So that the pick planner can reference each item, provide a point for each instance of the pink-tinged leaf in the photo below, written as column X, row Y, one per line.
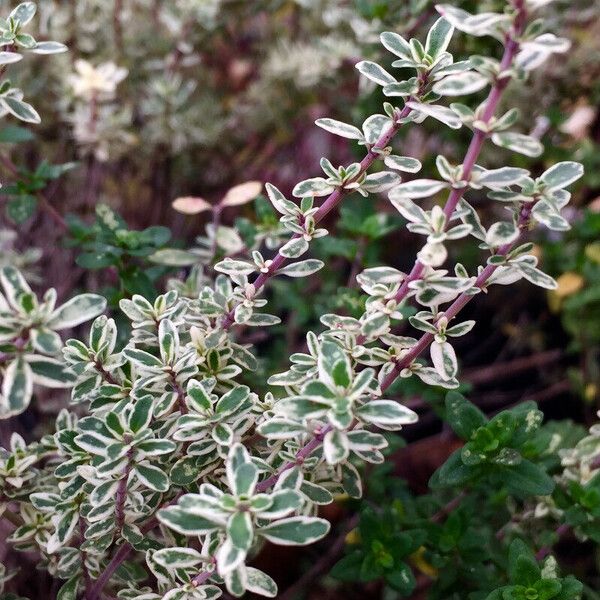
column 240, row 194
column 191, row 205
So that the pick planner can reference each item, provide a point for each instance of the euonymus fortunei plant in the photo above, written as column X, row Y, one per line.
column 172, row 471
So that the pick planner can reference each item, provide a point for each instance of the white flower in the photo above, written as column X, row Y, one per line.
column 102, row 81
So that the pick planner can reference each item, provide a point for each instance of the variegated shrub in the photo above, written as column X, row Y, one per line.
column 177, row 465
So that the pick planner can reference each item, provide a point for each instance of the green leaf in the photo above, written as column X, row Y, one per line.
column 96, row 260
column 452, row 473
column 463, row 416
column 527, row 479
column 522, row 565
column 13, row 134
column 401, row 578
column 296, row 531
column 21, row 208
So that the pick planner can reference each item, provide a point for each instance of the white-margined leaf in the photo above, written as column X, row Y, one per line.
column 48, row 48
column 17, row 387
column 302, row 268
column 20, row 109
column 232, row 266
column 77, row 310
column 380, row 182
column 418, row 188
column 502, row 232
column 460, row 84
column 441, row 113
column 403, row 163
column 561, row 175
column 339, row 128
column 502, row 177
column 438, row 38
column 295, row 248
column 152, row 477
column 375, row 72
column 260, row 583
column 444, row 360
column 518, row 142
column 536, row 276
column 335, row 446
column 316, row 186
column 396, row 44
column 295, row 531
column 386, row 413
column 50, row 372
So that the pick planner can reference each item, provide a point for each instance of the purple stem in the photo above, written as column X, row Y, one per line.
column 303, row 453
column 120, row 556
column 511, row 49
column 329, row 204
column 493, row 99
column 455, row 307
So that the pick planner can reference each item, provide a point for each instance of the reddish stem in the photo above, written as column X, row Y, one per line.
column 329, row 204
column 510, row 50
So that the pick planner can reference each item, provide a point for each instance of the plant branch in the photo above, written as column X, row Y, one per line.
column 491, row 104
column 330, row 203
column 454, row 308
